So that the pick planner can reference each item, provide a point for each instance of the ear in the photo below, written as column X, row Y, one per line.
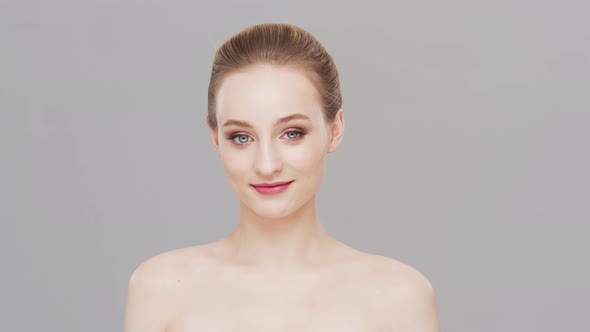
column 336, row 131
column 215, row 140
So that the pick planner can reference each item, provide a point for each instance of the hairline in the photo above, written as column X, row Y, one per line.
column 310, row 75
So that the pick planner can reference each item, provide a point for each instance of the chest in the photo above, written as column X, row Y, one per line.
column 283, row 310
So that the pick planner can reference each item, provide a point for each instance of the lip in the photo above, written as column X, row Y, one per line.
column 272, row 188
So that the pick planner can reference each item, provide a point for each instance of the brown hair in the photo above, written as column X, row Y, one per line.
column 277, row 44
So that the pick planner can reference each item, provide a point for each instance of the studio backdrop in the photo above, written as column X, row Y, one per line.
column 466, row 152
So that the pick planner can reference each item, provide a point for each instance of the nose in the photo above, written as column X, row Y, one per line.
column 268, row 160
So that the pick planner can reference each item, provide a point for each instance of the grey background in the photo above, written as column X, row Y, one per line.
column 466, row 152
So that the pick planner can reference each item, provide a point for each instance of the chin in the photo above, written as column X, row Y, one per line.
column 272, row 210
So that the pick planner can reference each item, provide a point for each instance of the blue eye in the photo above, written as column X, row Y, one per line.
column 240, row 139
column 293, row 135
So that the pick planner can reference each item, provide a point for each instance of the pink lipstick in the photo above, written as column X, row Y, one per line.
column 272, row 188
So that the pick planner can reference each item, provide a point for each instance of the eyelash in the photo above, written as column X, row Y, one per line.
column 300, row 134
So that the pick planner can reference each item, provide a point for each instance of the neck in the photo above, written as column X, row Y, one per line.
column 278, row 243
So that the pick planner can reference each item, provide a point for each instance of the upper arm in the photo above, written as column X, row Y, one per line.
column 148, row 301
column 415, row 305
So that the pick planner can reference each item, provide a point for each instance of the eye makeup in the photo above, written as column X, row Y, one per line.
column 291, row 135
column 298, row 134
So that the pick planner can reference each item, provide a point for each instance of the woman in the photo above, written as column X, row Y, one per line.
column 275, row 114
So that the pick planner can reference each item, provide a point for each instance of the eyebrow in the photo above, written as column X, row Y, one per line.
column 296, row 116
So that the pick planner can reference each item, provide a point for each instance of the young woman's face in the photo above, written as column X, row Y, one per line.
column 273, row 139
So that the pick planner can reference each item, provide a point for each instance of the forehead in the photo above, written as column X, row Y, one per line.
column 265, row 93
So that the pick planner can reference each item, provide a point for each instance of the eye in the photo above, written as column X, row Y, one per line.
column 240, row 139
column 293, row 134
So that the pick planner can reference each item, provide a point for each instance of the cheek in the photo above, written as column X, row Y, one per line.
column 307, row 157
column 235, row 163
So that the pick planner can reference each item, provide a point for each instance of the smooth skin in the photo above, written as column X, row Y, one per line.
column 279, row 270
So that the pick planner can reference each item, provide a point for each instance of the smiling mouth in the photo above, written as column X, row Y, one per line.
column 272, row 188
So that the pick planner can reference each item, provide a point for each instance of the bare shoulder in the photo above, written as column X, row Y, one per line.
column 168, row 267
column 398, row 274
column 409, row 294
column 156, row 285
